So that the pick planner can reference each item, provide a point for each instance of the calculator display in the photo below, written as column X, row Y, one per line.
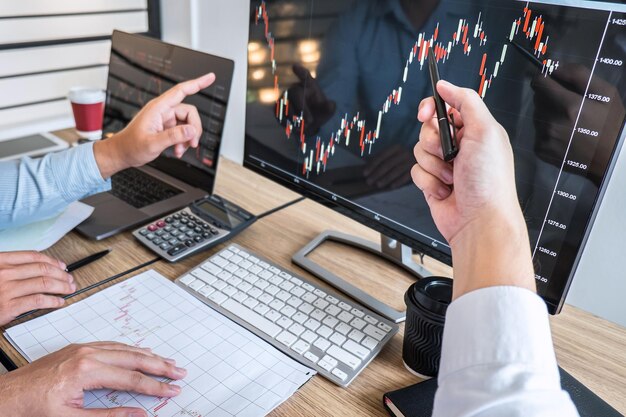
column 226, row 218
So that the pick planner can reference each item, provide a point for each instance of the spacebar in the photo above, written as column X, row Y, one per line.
column 252, row 317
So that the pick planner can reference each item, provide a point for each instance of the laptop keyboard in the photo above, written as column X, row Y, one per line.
column 140, row 189
column 325, row 331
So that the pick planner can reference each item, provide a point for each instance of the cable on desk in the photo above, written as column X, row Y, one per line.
column 279, row 208
column 97, row 284
column 7, row 362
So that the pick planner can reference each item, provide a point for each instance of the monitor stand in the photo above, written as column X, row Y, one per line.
column 389, row 249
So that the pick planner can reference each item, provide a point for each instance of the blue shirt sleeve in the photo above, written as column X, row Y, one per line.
column 36, row 189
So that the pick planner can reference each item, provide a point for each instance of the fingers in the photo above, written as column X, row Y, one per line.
column 28, row 257
column 302, row 73
column 426, row 110
column 430, row 185
column 434, row 165
column 40, row 285
column 429, row 139
column 177, row 94
column 178, row 135
column 36, row 270
column 35, row 302
column 117, row 378
column 468, row 103
column 110, row 412
column 188, row 114
column 137, row 360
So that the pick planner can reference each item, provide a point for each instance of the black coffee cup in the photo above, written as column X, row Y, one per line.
column 426, row 303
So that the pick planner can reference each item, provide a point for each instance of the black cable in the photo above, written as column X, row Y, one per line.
column 279, row 208
column 7, row 362
column 97, row 284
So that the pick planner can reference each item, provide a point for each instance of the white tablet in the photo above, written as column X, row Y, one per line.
column 32, row 145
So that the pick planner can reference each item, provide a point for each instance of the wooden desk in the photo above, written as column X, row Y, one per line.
column 591, row 349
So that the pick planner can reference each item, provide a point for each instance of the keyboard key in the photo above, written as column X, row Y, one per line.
column 296, row 281
column 343, row 328
column 345, row 316
column 320, row 303
column 230, row 290
column 356, row 335
column 200, row 273
column 311, row 357
column 294, row 302
column 284, row 275
column 374, row 332
column 273, row 315
column 187, row 279
column 245, row 264
column 236, row 259
column 284, row 322
column 218, row 297
column 384, row 327
column 325, row 331
column 283, row 295
column 254, row 269
column 344, row 357
column 196, row 285
column 250, row 302
column 261, row 284
column 226, row 254
column 306, row 308
column 370, row 319
column 333, row 310
column 325, row 365
column 312, row 324
column 319, row 293
column 309, row 297
column 251, row 317
column 330, row 321
column 255, row 292
column 272, row 290
column 357, row 323
column 245, row 287
column 286, row 338
column 331, row 299
column 206, row 291
column 356, row 349
column 308, row 336
column 338, row 339
column 318, row 315
column 240, row 296
column 298, row 291
column 265, row 274
column 308, row 287
column 322, row 344
column 234, row 281
column 219, row 261
column 300, row 347
column 286, row 285
column 330, row 360
column 340, row 374
column 288, row 311
column 296, row 329
column 265, row 298
column 273, row 269
column 219, row 284
column 300, row 317
column 345, row 306
column 262, row 309
column 277, row 305
column 276, row 280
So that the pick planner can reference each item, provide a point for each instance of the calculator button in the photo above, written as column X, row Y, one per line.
column 190, row 243
column 168, row 220
column 159, row 232
column 150, row 236
column 176, row 216
column 184, row 220
column 214, row 231
column 205, row 235
column 177, row 249
column 161, row 224
column 190, row 233
column 168, row 228
column 198, row 239
column 165, row 246
column 191, row 225
column 184, row 213
column 173, row 241
column 144, row 232
column 197, row 229
column 152, row 227
column 157, row 241
column 166, row 236
column 183, row 229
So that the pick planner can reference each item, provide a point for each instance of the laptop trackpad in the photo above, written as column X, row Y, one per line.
column 110, row 215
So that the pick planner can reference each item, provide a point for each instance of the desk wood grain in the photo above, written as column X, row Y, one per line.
column 591, row 349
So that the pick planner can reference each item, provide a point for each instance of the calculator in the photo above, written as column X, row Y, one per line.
column 203, row 224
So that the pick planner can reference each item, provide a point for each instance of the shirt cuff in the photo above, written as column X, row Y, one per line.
column 76, row 173
column 497, row 325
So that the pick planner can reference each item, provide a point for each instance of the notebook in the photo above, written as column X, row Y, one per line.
column 417, row 400
column 231, row 371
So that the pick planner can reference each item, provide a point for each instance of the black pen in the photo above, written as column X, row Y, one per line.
column 526, row 53
column 448, row 142
column 86, row 261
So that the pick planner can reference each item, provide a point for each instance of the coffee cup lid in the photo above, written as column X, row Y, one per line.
column 86, row 95
column 433, row 294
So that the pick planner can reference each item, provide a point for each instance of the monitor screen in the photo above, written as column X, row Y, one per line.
column 334, row 87
column 142, row 68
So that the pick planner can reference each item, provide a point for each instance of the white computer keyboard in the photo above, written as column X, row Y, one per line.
column 328, row 332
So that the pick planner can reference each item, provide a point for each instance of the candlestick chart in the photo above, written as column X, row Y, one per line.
column 470, row 37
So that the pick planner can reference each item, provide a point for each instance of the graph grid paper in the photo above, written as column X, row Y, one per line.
column 231, row 372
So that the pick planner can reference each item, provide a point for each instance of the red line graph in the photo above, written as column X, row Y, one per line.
column 316, row 159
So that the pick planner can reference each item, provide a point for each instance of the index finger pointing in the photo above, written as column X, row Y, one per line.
column 177, row 94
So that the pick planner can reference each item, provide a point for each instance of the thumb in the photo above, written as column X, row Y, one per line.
column 176, row 135
column 465, row 100
column 111, row 412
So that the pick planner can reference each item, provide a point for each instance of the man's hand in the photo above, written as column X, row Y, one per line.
column 31, row 280
column 474, row 200
column 308, row 98
column 164, row 122
column 54, row 385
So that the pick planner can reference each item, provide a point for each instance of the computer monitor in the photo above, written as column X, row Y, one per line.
column 334, row 86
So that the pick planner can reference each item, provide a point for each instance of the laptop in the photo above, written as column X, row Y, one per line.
column 140, row 69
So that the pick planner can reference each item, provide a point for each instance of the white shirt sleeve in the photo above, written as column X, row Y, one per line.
column 497, row 358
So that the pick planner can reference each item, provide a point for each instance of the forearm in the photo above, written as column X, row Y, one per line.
column 35, row 189
column 493, row 252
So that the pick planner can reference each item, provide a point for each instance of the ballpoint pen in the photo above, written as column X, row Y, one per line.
column 447, row 135
column 86, row 261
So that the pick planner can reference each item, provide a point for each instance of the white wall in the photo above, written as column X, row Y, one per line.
column 221, row 27
column 218, row 27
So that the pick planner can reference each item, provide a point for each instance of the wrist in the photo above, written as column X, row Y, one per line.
column 108, row 157
column 10, row 397
column 493, row 250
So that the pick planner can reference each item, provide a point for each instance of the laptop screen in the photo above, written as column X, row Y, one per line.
column 142, row 68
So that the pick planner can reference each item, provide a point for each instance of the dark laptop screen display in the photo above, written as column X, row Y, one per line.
column 141, row 69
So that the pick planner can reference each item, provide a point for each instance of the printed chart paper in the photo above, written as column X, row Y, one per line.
column 231, row 372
